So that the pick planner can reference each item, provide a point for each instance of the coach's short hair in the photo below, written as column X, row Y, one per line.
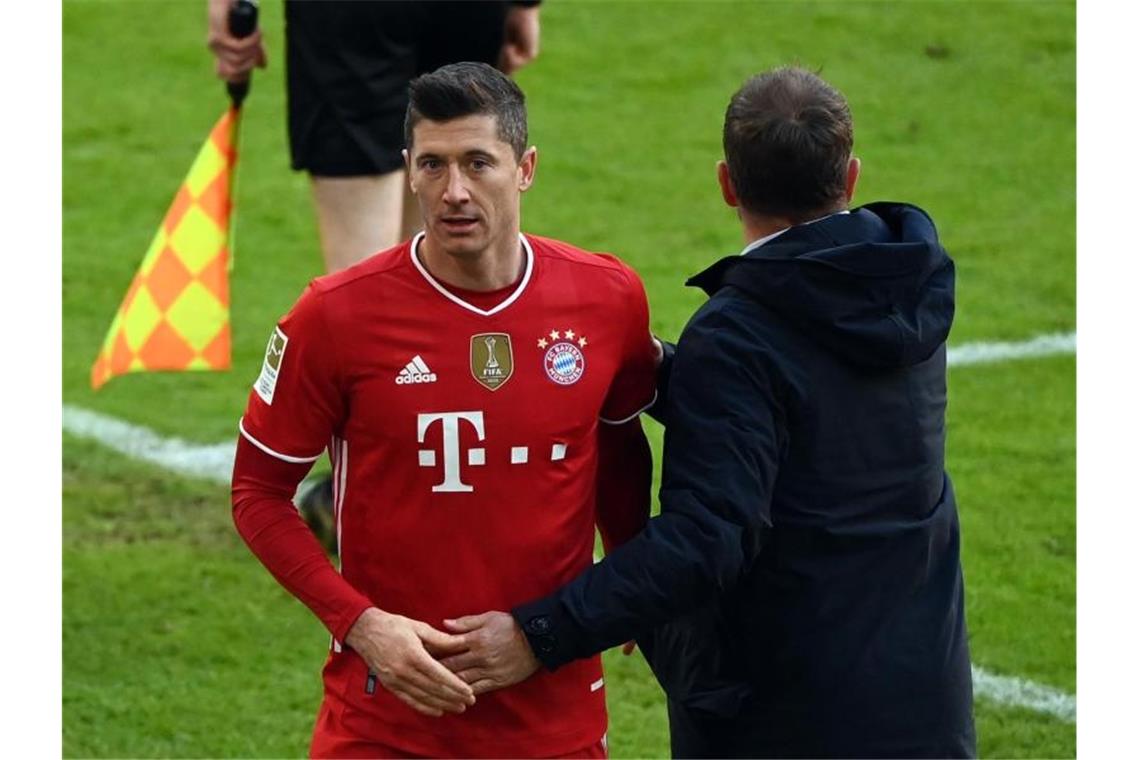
column 787, row 140
column 466, row 89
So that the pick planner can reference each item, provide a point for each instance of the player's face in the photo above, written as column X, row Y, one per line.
column 467, row 183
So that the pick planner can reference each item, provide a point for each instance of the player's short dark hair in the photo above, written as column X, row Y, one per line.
column 787, row 141
column 467, row 89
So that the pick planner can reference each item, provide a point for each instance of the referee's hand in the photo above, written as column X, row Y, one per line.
column 396, row 649
column 520, row 38
column 236, row 56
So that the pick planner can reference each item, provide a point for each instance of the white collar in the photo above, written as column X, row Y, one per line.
column 456, row 299
column 761, row 241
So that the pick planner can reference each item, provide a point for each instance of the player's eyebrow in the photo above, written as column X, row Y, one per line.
column 468, row 154
column 479, row 153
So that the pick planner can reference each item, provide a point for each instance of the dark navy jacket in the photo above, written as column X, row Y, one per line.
column 804, row 572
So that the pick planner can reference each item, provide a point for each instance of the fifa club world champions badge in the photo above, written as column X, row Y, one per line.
column 492, row 361
column 564, row 361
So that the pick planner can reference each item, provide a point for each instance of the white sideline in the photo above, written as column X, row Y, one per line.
column 1017, row 692
column 985, row 353
column 215, row 463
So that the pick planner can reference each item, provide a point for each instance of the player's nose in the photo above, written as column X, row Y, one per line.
column 455, row 191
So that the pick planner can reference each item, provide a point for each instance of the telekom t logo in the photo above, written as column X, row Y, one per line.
column 476, row 456
column 450, row 420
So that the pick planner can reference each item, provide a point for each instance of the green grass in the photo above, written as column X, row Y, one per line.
column 1012, row 448
column 176, row 643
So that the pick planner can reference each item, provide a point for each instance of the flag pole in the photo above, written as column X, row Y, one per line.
column 242, row 22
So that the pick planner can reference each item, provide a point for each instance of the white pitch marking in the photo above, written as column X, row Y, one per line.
column 215, row 463
column 1018, row 692
column 986, row 353
column 209, row 462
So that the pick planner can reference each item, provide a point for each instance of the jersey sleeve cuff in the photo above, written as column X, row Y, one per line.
column 340, row 629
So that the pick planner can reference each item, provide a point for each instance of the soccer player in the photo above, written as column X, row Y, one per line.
column 478, row 391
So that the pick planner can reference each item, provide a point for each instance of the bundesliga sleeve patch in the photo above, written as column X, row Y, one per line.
column 266, row 382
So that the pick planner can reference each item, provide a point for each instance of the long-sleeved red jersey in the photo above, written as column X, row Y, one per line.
column 464, row 434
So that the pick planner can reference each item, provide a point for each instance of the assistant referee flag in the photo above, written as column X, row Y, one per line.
column 176, row 313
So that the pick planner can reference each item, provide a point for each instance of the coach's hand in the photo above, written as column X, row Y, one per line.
column 396, row 649
column 497, row 655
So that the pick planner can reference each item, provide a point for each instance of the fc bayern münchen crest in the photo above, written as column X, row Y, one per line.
column 564, row 361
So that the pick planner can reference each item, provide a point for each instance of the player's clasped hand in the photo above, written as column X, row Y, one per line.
column 400, row 651
column 497, row 653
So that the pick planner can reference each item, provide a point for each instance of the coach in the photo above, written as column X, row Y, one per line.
column 801, row 592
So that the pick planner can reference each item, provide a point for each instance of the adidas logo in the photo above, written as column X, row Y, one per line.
column 416, row 372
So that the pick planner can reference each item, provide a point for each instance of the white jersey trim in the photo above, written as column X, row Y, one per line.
column 456, row 299
column 340, row 480
column 652, row 401
column 273, row 453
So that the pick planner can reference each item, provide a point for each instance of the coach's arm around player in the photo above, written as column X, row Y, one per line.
column 495, row 652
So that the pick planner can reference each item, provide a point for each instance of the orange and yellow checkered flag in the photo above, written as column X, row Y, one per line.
column 176, row 313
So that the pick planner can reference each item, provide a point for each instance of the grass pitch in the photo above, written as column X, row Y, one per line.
column 177, row 643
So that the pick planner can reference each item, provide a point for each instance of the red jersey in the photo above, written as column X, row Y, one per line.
column 463, row 436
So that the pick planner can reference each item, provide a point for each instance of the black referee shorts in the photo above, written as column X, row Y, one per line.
column 348, row 65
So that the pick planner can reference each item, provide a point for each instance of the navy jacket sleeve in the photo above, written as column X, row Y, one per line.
column 722, row 448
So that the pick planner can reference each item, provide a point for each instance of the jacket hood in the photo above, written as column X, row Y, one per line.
column 874, row 286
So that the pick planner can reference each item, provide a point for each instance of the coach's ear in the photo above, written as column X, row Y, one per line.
column 527, row 164
column 727, row 191
column 853, row 166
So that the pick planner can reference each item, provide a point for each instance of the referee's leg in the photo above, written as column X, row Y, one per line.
column 359, row 216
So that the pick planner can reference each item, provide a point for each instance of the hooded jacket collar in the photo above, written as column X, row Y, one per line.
column 874, row 286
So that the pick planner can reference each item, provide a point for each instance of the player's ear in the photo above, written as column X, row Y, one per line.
column 727, row 191
column 408, row 167
column 527, row 165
